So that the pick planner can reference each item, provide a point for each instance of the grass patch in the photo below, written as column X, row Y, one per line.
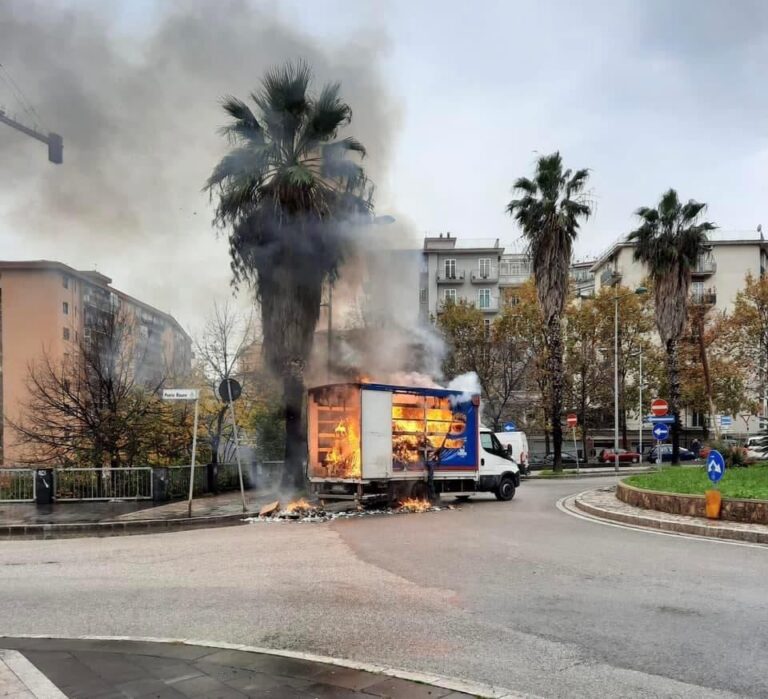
column 750, row 482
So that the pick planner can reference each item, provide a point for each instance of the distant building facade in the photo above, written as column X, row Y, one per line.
column 47, row 308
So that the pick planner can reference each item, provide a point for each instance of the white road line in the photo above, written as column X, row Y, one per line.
column 31, row 682
column 457, row 685
column 579, row 514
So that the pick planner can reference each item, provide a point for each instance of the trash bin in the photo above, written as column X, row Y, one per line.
column 43, row 486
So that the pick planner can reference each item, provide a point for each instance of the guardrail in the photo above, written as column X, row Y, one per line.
column 103, row 484
column 17, row 485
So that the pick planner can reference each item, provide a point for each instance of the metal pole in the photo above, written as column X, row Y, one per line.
column 575, row 449
column 640, row 429
column 237, row 445
column 616, row 384
column 194, row 456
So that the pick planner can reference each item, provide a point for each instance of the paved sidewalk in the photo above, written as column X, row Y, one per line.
column 111, row 669
column 603, row 504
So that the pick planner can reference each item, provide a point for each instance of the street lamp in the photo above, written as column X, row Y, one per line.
column 639, row 290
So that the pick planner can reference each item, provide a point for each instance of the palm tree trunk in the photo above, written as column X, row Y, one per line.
column 554, row 336
column 295, row 441
column 674, row 398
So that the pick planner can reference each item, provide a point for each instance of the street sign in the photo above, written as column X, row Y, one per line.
column 665, row 420
column 510, row 426
column 726, row 421
column 180, row 394
column 571, row 420
column 659, row 407
column 660, row 431
column 715, row 466
column 230, row 390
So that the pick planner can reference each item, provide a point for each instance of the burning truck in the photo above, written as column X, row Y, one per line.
column 374, row 441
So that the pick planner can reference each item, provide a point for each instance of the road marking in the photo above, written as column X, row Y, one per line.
column 478, row 689
column 31, row 682
column 561, row 505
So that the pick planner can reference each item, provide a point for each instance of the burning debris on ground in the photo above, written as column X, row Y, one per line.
column 302, row 510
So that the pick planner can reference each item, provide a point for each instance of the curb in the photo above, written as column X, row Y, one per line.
column 115, row 528
column 29, row 682
column 575, row 476
column 667, row 525
column 456, row 685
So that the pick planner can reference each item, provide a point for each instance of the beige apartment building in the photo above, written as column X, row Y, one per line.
column 47, row 307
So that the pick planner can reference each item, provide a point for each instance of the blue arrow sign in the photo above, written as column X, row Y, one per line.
column 660, row 431
column 664, row 419
column 715, row 466
column 510, row 426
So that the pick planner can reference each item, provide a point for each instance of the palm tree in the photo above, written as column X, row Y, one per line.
column 670, row 240
column 285, row 191
column 548, row 212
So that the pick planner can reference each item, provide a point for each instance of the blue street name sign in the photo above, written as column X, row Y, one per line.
column 715, row 466
column 664, row 419
column 661, row 431
column 510, row 426
column 726, row 421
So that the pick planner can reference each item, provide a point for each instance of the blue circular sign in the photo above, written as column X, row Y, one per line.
column 715, row 466
column 660, row 431
column 510, row 426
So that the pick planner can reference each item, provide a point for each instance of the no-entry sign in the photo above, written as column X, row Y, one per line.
column 571, row 420
column 659, row 407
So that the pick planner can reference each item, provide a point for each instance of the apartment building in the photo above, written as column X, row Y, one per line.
column 47, row 308
column 479, row 272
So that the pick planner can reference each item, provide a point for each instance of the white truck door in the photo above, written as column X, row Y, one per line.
column 376, row 442
column 492, row 460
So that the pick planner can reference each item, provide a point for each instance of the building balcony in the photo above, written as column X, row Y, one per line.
column 491, row 306
column 704, row 298
column 610, row 277
column 704, row 268
column 490, row 277
column 513, row 279
column 456, row 278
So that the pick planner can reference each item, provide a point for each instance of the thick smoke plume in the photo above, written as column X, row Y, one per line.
column 137, row 100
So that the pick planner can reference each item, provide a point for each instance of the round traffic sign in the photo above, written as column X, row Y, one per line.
column 230, row 390
column 660, row 431
column 659, row 407
column 715, row 466
column 571, row 420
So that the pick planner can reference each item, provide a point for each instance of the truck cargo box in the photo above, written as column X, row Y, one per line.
column 359, row 432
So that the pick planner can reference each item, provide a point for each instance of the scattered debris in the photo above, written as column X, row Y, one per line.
column 304, row 511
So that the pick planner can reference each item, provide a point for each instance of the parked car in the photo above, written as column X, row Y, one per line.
column 756, row 449
column 626, row 456
column 567, row 457
column 666, row 454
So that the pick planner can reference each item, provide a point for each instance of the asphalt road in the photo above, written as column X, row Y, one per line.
column 518, row 594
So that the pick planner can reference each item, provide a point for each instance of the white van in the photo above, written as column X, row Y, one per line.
column 519, row 445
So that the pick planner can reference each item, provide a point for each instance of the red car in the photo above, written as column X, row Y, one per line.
column 625, row 456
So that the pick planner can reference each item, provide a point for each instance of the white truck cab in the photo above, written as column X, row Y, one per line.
column 498, row 472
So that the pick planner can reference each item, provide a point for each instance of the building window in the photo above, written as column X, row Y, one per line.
column 66, row 333
column 65, row 281
column 487, row 327
column 513, row 300
column 697, row 292
column 450, row 296
column 65, row 308
column 422, row 297
column 698, row 419
column 484, row 298
column 485, row 267
column 450, row 269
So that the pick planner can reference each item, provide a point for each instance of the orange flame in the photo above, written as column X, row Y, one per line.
column 298, row 505
column 414, row 505
column 343, row 460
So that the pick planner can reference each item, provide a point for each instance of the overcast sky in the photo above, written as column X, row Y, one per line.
column 454, row 99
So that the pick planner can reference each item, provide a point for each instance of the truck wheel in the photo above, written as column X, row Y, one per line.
column 505, row 490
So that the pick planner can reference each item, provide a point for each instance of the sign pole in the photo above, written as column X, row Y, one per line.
column 575, row 449
column 237, row 446
column 194, row 456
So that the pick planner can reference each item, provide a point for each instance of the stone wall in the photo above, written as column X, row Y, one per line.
column 733, row 509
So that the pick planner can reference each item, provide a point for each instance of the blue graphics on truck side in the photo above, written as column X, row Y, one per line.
column 464, row 431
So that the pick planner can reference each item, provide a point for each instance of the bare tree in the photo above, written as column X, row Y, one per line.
column 220, row 350
column 91, row 408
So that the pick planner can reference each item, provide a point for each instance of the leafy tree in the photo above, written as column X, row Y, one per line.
column 669, row 241
column 284, row 191
column 549, row 209
column 499, row 354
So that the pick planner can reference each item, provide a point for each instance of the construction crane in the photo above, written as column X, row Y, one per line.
column 53, row 140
